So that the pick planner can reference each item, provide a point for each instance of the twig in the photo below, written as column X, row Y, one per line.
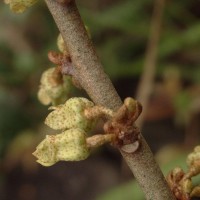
column 147, row 79
column 99, row 87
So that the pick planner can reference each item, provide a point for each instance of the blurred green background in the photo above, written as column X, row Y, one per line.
column 120, row 32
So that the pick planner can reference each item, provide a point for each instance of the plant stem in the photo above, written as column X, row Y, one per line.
column 89, row 72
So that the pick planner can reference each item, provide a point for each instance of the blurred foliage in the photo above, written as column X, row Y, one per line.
column 124, row 29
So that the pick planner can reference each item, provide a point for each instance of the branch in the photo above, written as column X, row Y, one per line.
column 89, row 72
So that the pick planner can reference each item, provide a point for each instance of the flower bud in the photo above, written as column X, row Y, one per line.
column 19, row 6
column 194, row 156
column 61, row 45
column 177, row 174
column 53, row 90
column 43, row 97
column 131, row 104
column 46, row 151
column 71, row 115
column 70, row 145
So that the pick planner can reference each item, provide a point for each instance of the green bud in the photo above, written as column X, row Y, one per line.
column 131, row 104
column 71, row 115
column 52, row 90
column 194, row 156
column 72, row 145
column 19, row 6
column 61, row 45
column 68, row 146
column 46, row 151
column 43, row 97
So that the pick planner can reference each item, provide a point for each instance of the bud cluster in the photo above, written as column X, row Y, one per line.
column 76, row 117
column 180, row 182
column 70, row 145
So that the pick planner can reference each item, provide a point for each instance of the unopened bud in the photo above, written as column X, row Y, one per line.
column 19, row 6
column 53, row 89
column 186, row 185
column 71, row 115
column 61, row 45
column 130, row 103
column 67, row 146
column 194, row 156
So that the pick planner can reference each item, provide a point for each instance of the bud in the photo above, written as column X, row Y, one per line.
column 177, row 174
column 131, row 104
column 46, row 151
column 70, row 145
column 186, row 186
column 19, row 6
column 194, row 156
column 53, row 89
column 43, row 97
column 71, row 115
column 197, row 149
column 61, row 45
